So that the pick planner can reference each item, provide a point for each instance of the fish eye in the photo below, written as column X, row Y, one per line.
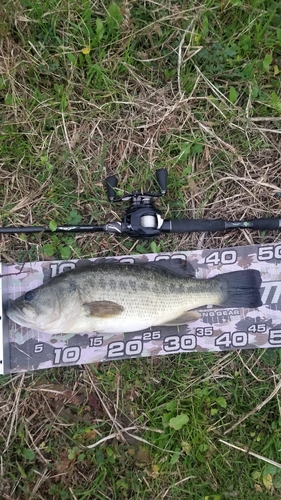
column 29, row 295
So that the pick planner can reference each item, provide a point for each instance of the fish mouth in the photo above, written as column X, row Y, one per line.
column 16, row 314
column 11, row 312
column 12, row 307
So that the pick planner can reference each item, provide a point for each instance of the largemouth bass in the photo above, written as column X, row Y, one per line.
column 114, row 297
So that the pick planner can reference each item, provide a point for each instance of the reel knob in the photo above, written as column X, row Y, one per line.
column 111, row 184
column 162, row 176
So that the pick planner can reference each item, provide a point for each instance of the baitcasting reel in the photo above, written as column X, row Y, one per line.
column 141, row 218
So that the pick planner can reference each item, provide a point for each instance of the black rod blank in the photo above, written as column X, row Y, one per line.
column 168, row 226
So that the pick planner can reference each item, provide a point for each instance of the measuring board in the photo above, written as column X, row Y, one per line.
column 218, row 329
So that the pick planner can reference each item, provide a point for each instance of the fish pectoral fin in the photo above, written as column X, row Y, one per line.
column 183, row 319
column 102, row 309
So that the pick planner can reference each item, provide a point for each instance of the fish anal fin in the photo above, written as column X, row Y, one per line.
column 183, row 319
column 102, row 309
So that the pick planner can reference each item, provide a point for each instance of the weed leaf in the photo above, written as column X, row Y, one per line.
column 99, row 29
column 53, row 225
column 114, row 16
column 178, row 422
column 233, row 95
column 267, row 62
column 28, row 454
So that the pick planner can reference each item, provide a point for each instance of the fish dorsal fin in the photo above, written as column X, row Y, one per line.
column 102, row 309
column 183, row 319
column 177, row 266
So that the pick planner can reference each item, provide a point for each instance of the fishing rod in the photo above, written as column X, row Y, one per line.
column 143, row 220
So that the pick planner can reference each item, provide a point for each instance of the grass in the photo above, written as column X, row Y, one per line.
column 89, row 89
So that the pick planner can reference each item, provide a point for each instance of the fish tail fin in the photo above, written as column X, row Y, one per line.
column 242, row 288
